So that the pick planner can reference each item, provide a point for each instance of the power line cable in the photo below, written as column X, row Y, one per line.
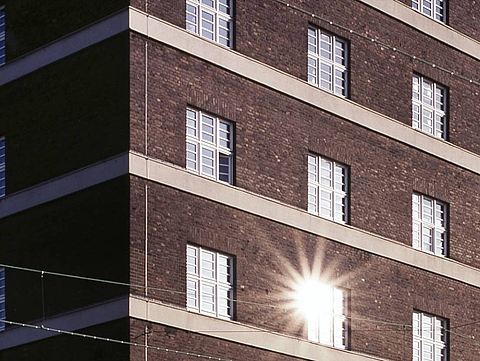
column 379, row 42
column 351, row 318
column 107, row 339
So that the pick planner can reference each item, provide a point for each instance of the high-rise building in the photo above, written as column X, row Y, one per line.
column 233, row 179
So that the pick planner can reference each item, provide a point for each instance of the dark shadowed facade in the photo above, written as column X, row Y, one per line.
column 233, row 179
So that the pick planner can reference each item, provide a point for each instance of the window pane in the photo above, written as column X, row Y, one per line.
column 212, row 148
column 208, row 298
column 216, row 19
column 208, row 265
column 210, row 289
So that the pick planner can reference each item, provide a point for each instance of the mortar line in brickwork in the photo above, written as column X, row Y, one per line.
column 381, row 43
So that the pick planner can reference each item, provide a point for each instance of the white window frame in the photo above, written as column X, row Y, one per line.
column 2, row 298
column 434, row 9
column 330, row 327
column 327, row 61
column 210, row 276
column 2, row 167
column 327, row 188
column 211, row 19
column 2, row 35
column 209, row 146
column 429, row 107
column 429, row 337
column 429, row 225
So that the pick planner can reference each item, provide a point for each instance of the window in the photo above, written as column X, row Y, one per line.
column 209, row 146
column 429, row 107
column 2, row 298
column 429, row 225
column 2, row 167
column 429, row 337
column 330, row 327
column 2, row 35
column 209, row 282
column 434, row 9
column 327, row 188
column 327, row 61
column 211, row 19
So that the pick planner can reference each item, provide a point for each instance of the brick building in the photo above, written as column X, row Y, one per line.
column 233, row 179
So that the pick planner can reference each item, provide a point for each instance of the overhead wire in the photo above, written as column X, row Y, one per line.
column 379, row 42
column 107, row 339
column 402, row 327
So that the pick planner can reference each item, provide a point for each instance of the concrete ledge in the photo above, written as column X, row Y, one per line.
column 430, row 27
column 178, row 178
column 64, row 47
column 273, row 210
column 238, row 333
column 72, row 321
column 64, row 185
column 293, row 87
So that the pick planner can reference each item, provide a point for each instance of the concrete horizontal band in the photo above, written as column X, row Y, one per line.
column 71, row 321
column 64, row 47
column 243, row 200
column 298, row 89
column 62, row 186
column 238, row 333
column 430, row 27
column 178, row 178
column 158, row 313
column 248, row 68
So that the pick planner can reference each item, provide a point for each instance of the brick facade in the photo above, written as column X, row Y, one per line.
column 383, row 292
column 127, row 96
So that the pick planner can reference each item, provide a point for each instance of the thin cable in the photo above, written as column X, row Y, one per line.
column 83, row 278
column 381, row 43
column 43, row 298
column 100, row 338
column 387, row 323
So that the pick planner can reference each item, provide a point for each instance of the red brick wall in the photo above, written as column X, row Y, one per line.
column 273, row 135
column 268, row 255
column 380, row 78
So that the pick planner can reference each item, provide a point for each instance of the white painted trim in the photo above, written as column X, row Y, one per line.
column 71, row 321
column 64, row 47
column 428, row 26
column 286, row 84
column 239, row 333
column 245, row 201
column 64, row 185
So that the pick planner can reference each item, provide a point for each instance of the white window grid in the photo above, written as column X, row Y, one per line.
column 2, row 167
column 434, row 9
column 429, row 337
column 330, row 327
column 327, row 188
column 209, row 146
column 209, row 282
column 2, row 35
column 429, row 225
column 2, row 298
column 429, row 107
column 327, row 61
column 211, row 19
